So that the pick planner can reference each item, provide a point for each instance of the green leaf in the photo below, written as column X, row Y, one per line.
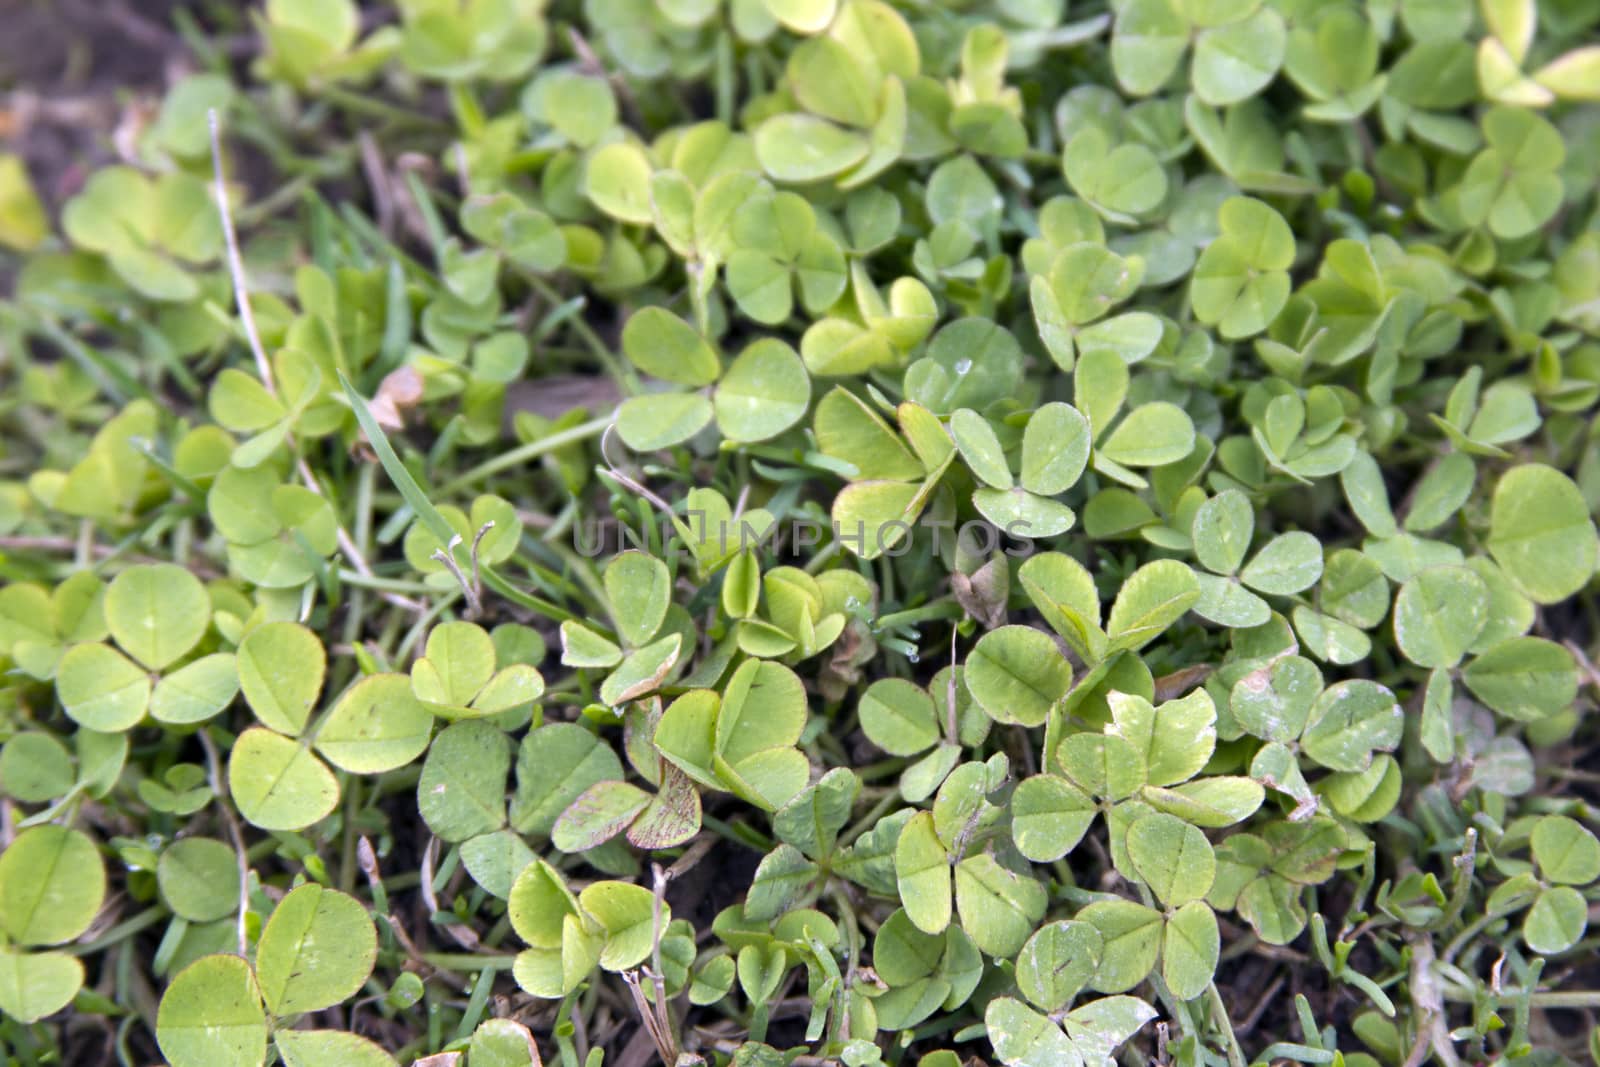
column 802, row 16
column 1122, row 182
column 1153, row 598
column 969, row 363
column 1173, row 858
column 640, row 671
column 813, row 819
column 582, row 647
column 1274, row 702
column 277, row 783
column 377, row 726
column 1221, row 532
column 34, row 985
column 1509, row 185
column 781, row 881
column 765, row 391
column 800, row 148
column 1130, row 937
column 599, row 813
column 23, row 221
column 1147, row 45
column 157, row 612
column 1348, row 722
column 1057, row 963
column 1065, row 595
column 661, row 420
column 556, row 764
column 664, row 346
column 1103, row 765
column 328, row 1048
column 52, row 882
column 1015, row 674
column 980, row 448
column 1174, row 740
column 1212, row 802
column 1024, row 1038
column 922, row 870
column 316, row 951
column 503, row 1043
column 1049, row 816
column 1541, row 533
column 1240, row 282
column 539, row 905
column 1100, row 1026
column 898, row 717
column 35, row 767
column 101, row 689
column 1023, row 514
column 628, row 915
column 199, row 879
column 848, row 429
column 1055, row 449
column 196, row 691
column 999, row 908
column 458, row 662
column 638, row 590
column 1556, row 921
column 1235, row 61
column 461, row 792
column 1565, row 851
column 1363, row 485
column 1152, row 435
column 763, row 707
column 211, row 1016
column 617, row 181
column 1524, row 678
column 1190, row 949
column 1438, row 615
column 281, row 667
column 902, row 954
column 1287, row 564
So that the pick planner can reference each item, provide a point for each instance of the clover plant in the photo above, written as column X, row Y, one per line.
column 1053, row 533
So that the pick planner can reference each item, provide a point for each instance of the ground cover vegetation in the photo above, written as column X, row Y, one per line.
column 809, row 531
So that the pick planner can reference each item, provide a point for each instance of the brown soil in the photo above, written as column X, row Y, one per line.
column 73, row 73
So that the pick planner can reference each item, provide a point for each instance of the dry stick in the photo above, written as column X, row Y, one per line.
column 626, row 481
column 67, row 544
column 378, row 180
column 1261, row 1005
column 647, row 1017
column 225, row 805
column 1433, row 1029
column 241, row 292
column 241, row 295
column 658, row 974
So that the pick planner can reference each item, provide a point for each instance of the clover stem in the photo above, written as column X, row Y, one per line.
column 1219, row 1016
column 460, row 961
column 625, row 379
column 347, row 852
column 738, row 833
column 889, row 800
column 520, row 455
column 225, row 806
column 120, row 932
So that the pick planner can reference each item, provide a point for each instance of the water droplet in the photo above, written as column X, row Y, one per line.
column 913, row 657
column 963, row 365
